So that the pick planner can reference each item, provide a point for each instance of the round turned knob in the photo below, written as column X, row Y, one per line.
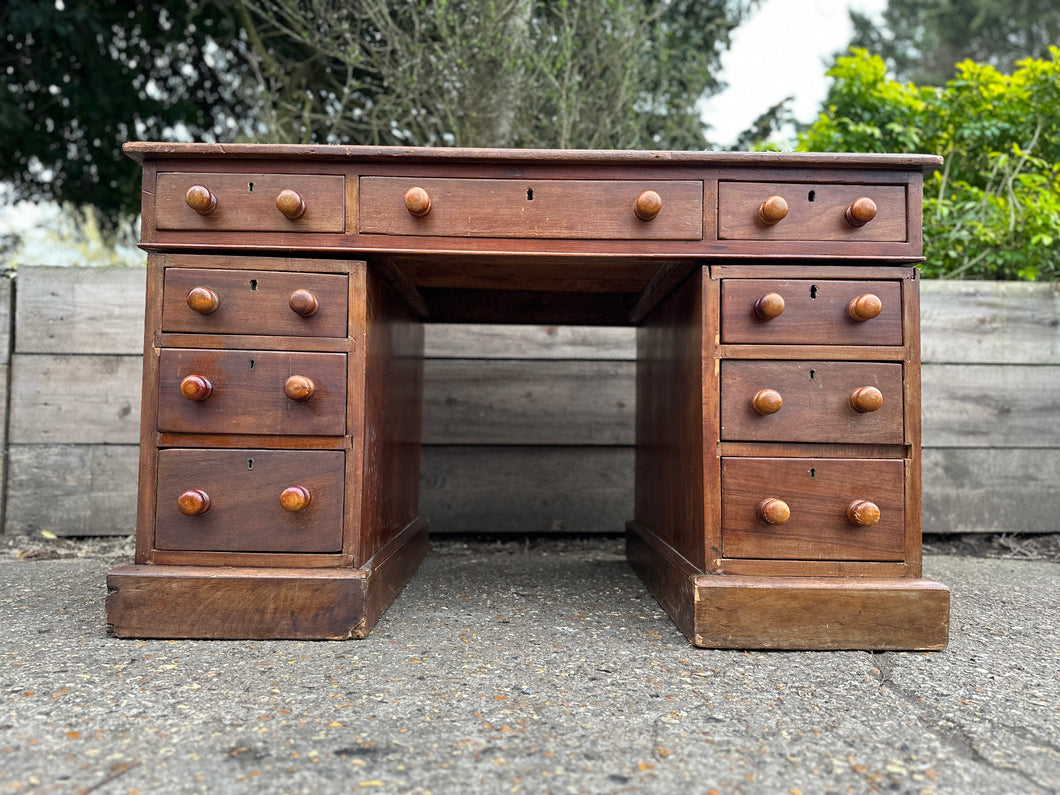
column 196, row 387
column 774, row 511
column 201, row 199
column 299, row 388
column 773, row 210
column 861, row 211
column 767, row 401
column 295, row 498
column 647, row 205
column 304, row 303
column 865, row 307
column 863, row 513
column 290, row 204
column 203, row 300
column 417, row 202
column 865, row 399
column 769, row 306
column 193, row 502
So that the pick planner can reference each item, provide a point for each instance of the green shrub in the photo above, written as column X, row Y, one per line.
column 993, row 210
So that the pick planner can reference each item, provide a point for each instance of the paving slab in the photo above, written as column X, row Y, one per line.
column 544, row 667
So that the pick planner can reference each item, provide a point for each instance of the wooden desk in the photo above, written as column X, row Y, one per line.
column 778, row 398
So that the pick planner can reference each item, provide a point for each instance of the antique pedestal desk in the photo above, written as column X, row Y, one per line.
column 778, row 400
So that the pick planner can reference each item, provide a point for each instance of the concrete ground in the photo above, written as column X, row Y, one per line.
column 537, row 667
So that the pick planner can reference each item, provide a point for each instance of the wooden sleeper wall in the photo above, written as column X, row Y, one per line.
column 526, row 429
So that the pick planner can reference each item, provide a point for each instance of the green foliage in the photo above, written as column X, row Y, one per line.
column 493, row 73
column 993, row 210
column 921, row 40
column 79, row 79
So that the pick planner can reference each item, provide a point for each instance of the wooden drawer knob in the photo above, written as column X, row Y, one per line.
column 863, row 513
column 299, row 388
column 861, row 211
column 767, row 401
column 773, row 511
column 193, row 502
column 865, row 399
column 772, row 211
column 769, row 306
column 203, row 300
column 201, row 199
column 865, row 307
column 290, row 204
column 295, row 498
column 417, row 202
column 196, row 387
column 304, row 303
column 647, row 205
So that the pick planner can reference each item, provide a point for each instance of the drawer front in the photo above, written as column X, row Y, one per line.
column 244, row 392
column 815, row 402
column 507, row 208
column 248, row 202
column 202, row 301
column 243, row 510
column 814, row 212
column 821, row 312
column 818, row 495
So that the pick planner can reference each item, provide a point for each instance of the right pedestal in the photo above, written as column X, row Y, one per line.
column 778, row 460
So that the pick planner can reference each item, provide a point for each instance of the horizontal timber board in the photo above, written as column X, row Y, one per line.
column 990, row 322
column 982, row 405
column 80, row 310
column 78, row 399
column 991, row 491
column 522, row 402
column 88, row 490
column 72, row 490
column 526, row 489
column 101, row 310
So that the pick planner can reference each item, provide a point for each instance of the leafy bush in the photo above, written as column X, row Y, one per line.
column 993, row 210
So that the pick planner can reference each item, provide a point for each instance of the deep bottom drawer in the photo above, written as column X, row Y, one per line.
column 823, row 499
column 237, row 494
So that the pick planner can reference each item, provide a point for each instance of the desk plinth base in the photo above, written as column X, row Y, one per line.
column 214, row 602
column 742, row 612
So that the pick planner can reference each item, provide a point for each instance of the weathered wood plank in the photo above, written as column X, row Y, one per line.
column 990, row 322
column 6, row 290
column 79, row 310
column 72, row 490
column 526, row 489
column 75, row 399
column 540, row 403
column 991, row 406
column 465, row 341
column 991, row 491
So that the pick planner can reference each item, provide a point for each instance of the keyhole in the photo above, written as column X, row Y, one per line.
column 250, row 464
column 251, row 364
column 529, row 194
column 253, row 284
column 251, row 186
column 813, row 473
column 813, row 292
column 811, row 195
column 813, row 375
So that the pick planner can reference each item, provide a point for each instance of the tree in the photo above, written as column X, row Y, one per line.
column 77, row 81
column 921, row 40
column 993, row 210
column 503, row 73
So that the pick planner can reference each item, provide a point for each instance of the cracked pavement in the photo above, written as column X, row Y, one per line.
column 538, row 667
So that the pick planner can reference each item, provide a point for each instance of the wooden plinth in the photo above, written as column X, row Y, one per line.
column 741, row 612
column 148, row 601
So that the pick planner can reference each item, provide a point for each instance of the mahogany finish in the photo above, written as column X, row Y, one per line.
column 777, row 472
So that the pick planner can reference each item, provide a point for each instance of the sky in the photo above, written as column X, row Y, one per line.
column 783, row 50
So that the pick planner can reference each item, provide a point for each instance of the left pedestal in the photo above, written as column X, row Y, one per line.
column 279, row 453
